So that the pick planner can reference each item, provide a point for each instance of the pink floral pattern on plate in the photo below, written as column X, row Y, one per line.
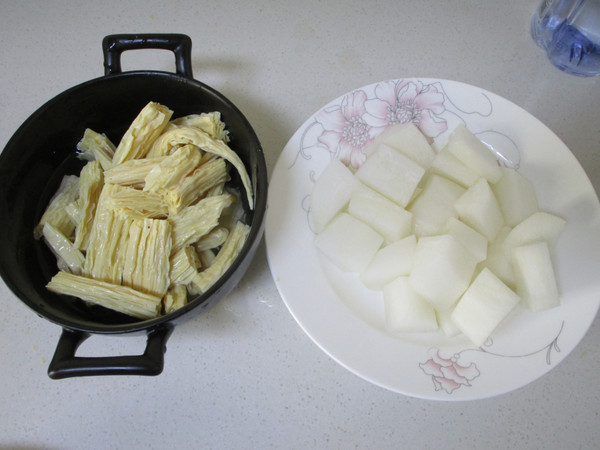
column 350, row 126
column 448, row 375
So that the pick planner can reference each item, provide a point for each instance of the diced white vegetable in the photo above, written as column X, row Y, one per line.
column 479, row 209
column 535, row 278
column 497, row 261
column 410, row 141
column 539, row 227
column 483, row 306
column 350, row 243
column 442, row 270
column 391, row 173
column 405, row 311
column 516, row 196
column 434, row 205
column 386, row 217
column 390, row 262
column 446, row 323
column 331, row 193
column 473, row 153
column 474, row 241
column 449, row 166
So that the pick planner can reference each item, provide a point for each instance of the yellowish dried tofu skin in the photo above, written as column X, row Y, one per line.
column 175, row 137
column 210, row 122
column 149, row 222
column 96, row 146
column 132, row 172
column 141, row 134
column 56, row 212
column 120, row 298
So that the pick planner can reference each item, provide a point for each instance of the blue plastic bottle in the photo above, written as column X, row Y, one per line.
column 569, row 31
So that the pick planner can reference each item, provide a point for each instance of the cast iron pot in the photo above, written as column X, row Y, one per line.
column 43, row 149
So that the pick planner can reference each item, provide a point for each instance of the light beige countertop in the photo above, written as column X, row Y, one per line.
column 245, row 375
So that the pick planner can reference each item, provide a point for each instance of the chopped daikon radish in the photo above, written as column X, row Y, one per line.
column 516, row 196
column 474, row 241
column 442, row 270
column 449, row 166
column 497, row 261
column 434, row 205
column 390, row 262
column 391, row 173
column 539, row 227
column 410, row 141
column 474, row 154
column 383, row 215
column 479, row 209
column 331, row 193
column 350, row 243
column 483, row 306
column 446, row 323
column 405, row 311
column 535, row 279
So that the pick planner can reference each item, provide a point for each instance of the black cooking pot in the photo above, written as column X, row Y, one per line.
column 43, row 150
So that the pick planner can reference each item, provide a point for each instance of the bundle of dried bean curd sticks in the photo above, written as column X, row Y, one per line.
column 148, row 221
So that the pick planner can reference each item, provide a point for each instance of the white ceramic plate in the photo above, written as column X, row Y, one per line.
column 347, row 321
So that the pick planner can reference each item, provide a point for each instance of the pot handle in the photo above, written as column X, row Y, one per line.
column 65, row 364
column 115, row 44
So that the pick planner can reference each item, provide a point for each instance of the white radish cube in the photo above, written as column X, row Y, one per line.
column 474, row 154
column 434, row 205
column 483, row 306
column 405, row 311
column 389, row 263
column 331, row 193
column 497, row 261
column 479, row 209
column 391, row 173
column 442, row 270
column 349, row 243
column 449, row 166
column 535, row 278
column 516, row 196
column 474, row 241
column 446, row 323
column 383, row 215
column 539, row 227
column 410, row 141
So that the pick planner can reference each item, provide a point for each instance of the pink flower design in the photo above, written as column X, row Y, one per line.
column 447, row 374
column 402, row 102
column 345, row 130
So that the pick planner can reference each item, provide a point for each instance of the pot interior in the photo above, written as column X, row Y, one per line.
column 43, row 150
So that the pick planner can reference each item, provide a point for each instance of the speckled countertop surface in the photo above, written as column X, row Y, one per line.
column 245, row 375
